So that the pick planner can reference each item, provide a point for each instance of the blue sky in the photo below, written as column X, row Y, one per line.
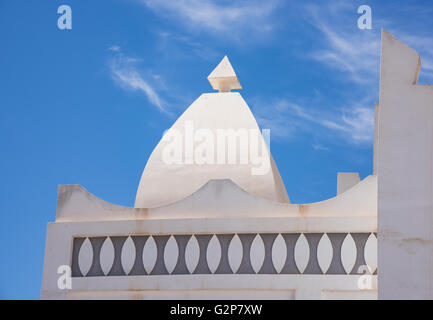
column 88, row 105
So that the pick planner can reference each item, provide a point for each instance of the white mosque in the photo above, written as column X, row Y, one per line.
column 212, row 219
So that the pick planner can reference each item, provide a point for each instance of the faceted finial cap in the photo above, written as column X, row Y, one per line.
column 223, row 77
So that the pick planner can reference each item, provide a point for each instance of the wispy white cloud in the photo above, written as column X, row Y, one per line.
column 356, row 52
column 359, row 123
column 184, row 47
column 288, row 120
column 224, row 17
column 353, row 51
column 114, row 48
column 318, row 147
column 125, row 73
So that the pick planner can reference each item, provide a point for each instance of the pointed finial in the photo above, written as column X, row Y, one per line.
column 223, row 77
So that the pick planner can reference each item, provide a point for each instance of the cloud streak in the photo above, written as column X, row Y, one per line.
column 289, row 120
column 353, row 51
column 126, row 75
column 220, row 17
column 356, row 52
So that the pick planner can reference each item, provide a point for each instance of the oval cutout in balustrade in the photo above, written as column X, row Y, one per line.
column 370, row 253
column 235, row 253
column 128, row 255
column 85, row 257
column 348, row 253
column 279, row 253
column 171, row 254
column 324, row 253
column 192, row 254
column 213, row 254
column 302, row 253
column 149, row 254
column 107, row 255
column 257, row 253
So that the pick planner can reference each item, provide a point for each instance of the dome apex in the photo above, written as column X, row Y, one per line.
column 223, row 78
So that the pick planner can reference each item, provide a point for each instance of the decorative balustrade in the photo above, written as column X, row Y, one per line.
column 248, row 253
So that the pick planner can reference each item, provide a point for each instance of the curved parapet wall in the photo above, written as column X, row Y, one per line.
column 74, row 203
column 217, row 199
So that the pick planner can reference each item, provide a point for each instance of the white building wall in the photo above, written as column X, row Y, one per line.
column 405, row 176
column 219, row 241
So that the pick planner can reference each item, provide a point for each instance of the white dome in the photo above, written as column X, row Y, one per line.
column 163, row 183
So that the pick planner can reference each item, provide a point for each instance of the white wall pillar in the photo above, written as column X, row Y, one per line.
column 405, row 176
column 346, row 180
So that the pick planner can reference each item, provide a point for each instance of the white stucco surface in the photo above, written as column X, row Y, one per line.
column 218, row 199
column 162, row 183
column 405, row 175
column 237, row 213
column 346, row 180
